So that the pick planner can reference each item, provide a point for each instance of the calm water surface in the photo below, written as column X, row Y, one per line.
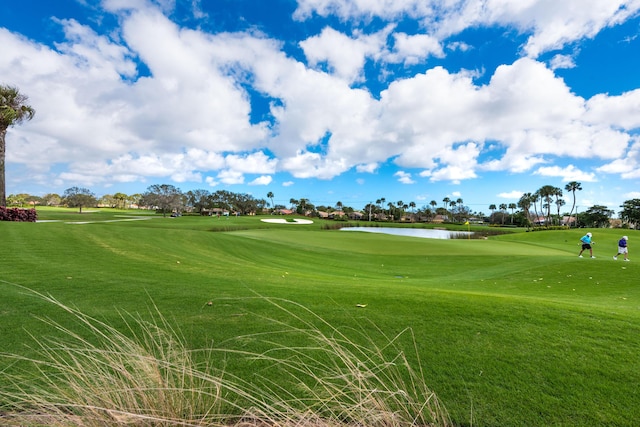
column 411, row 232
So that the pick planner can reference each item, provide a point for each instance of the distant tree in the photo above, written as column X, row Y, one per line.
column 559, row 204
column 121, row 200
column 270, row 197
column 164, row 197
column 525, row 204
column 573, row 186
column 51, row 199
column 13, row 110
column 546, row 193
column 445, row 203
column 503, row 209
column 200, row 199
column 492, row 208
column 133, row 199
column 76, row 197
column 630, row 212
column 513, row 207
column 302, row 206
column 557, row 193
column 107, row 200
column 597, row 216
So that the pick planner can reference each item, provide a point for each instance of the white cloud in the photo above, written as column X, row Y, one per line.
column 191, row 117
column 568, row 174
column 627, row 166
column 414, row 49
column 344, row 55
column 262, row 180
column 230, row 177
column 551, row 24
column 562, row 61
column 404, row 177
column 512, row 195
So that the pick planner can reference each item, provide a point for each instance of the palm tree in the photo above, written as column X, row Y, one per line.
column 270, row 196
column 13, row 110
column 446, row 201
column 546, row 193
column 573, row 186
column 503, row 209
column 492, row 208
column 560, row 203
column 557, row 193
column 525, row 203
column 534, row 201
column 513, row 207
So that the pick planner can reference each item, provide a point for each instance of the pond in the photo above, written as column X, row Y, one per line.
column 413, row 232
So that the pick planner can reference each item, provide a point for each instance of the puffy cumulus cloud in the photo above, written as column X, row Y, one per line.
column 568, row 173
column 190, row 115
column 404, row 177
column 414, row 49
column 628, row 166
column 358, row 9
column 551, row 24
column 262, row 180
column 230, row 177
column 345, row 55
column 562, row 61
column 618, row 111
column 307, row 164
column 515, row 194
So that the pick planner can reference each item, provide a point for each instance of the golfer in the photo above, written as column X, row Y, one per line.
column 586, row 244
column 622, row 248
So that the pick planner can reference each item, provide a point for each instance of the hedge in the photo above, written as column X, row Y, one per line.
column 17, row 214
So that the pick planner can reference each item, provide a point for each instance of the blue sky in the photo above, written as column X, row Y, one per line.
column 328, row 100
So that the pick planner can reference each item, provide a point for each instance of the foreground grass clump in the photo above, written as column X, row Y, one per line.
column 96, row 375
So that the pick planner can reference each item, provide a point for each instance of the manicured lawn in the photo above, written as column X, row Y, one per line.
column 511, row 330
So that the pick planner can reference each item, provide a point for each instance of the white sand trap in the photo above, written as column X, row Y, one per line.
column 284, row 221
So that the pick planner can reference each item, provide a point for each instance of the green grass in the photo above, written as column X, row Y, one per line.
column 512, row 330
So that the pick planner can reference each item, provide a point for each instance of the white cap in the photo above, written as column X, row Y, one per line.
column 589, row 234
column 625, row 237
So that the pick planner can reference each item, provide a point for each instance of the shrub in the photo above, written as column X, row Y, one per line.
column 17, row 214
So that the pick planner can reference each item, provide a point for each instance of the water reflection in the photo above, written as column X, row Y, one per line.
column 412, row 232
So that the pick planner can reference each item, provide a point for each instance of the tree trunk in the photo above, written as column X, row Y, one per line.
column 3, row 194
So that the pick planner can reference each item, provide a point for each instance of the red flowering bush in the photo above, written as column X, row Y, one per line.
column 17, row 214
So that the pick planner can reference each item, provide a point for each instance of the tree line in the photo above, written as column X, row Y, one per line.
column 541, row 208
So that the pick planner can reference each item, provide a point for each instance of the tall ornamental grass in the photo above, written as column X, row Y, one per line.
column 93, row 374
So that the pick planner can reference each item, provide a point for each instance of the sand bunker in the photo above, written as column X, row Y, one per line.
column 284, row 221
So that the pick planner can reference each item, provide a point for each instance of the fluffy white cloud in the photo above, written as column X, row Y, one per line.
column 552, row 24
column 568, row 174
column 515, row 194
column 262, row 180
column 345, row 55
column 404, row 177
column 190, row 115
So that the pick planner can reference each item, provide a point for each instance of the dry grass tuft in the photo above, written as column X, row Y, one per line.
column 146, row 376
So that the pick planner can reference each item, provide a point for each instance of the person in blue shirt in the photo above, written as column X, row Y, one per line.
column 622, row 248
column 586, row 244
